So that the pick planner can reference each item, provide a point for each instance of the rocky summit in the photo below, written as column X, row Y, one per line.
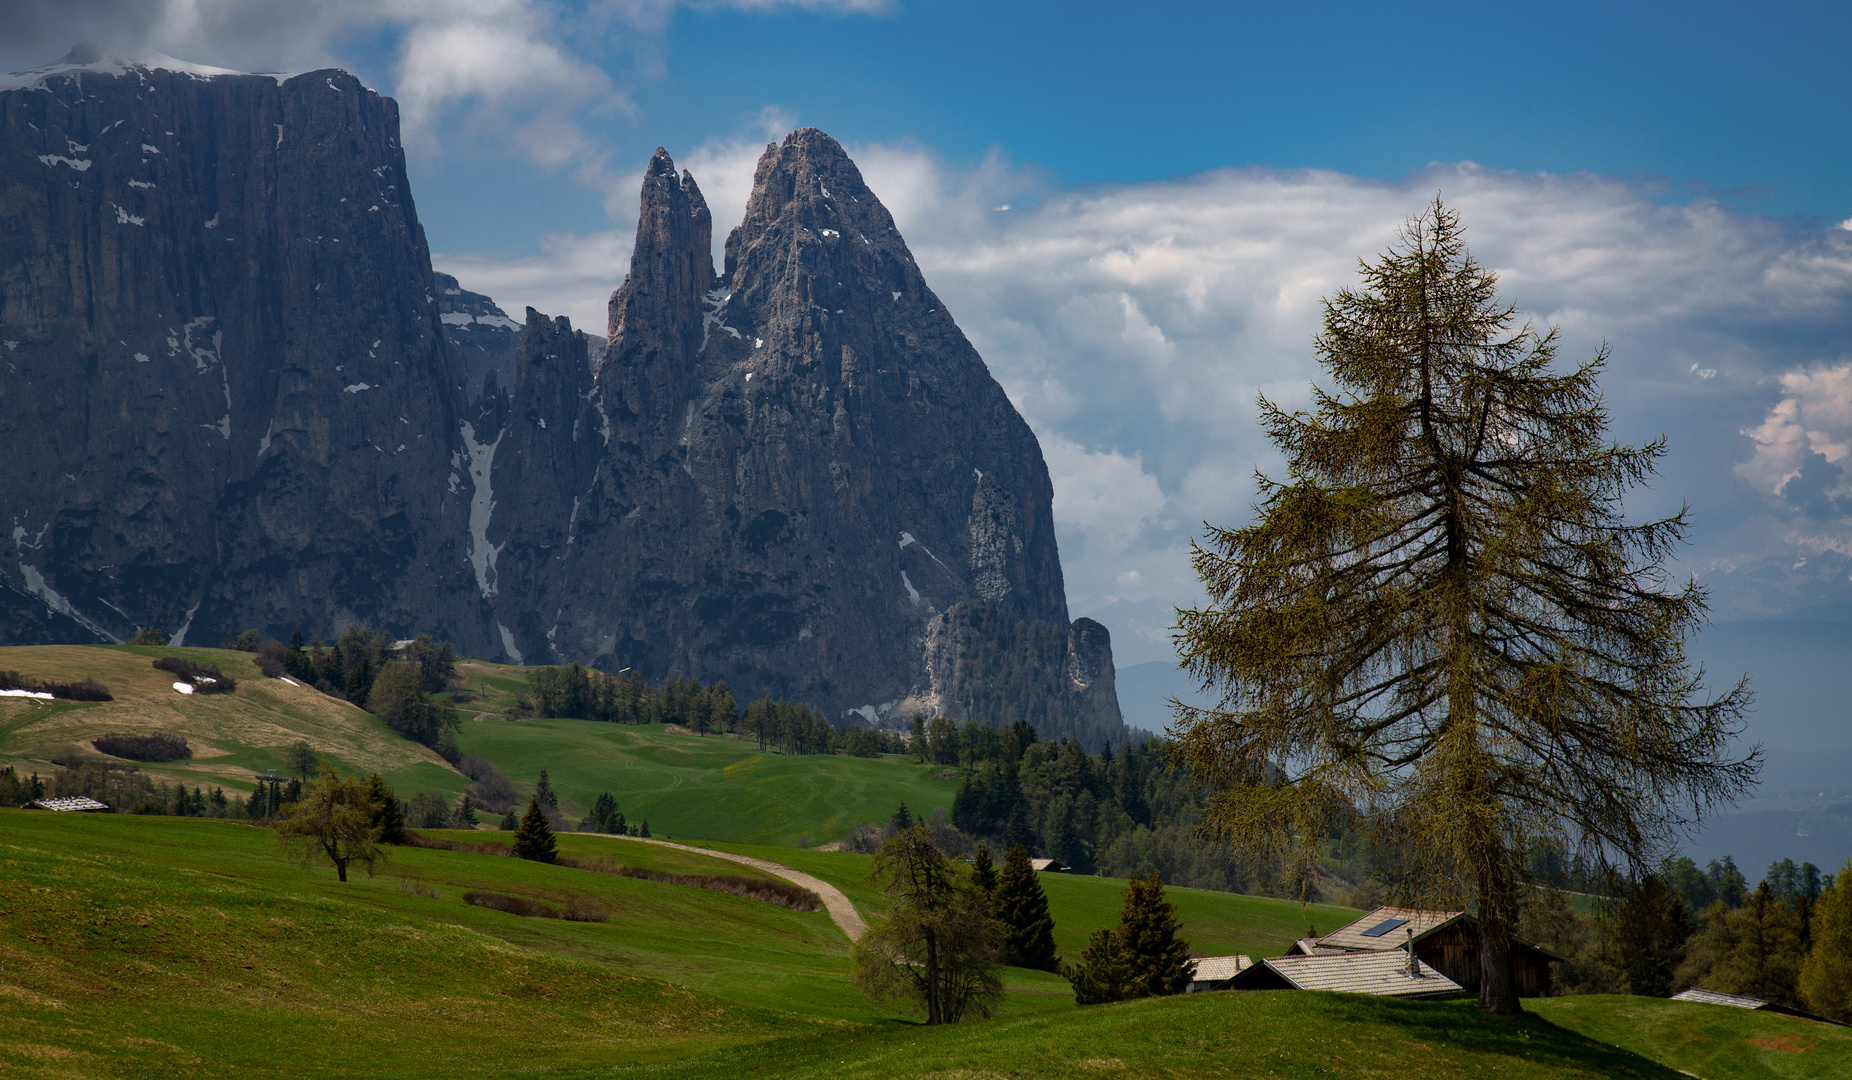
column 226, row 397
column 236, row 395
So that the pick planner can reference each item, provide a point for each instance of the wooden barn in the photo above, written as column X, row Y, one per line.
column 1447, row 941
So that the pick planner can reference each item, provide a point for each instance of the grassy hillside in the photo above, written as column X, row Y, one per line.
column 714, row 788
column 154, row 947
column 231, row 735
column 1709, row 1040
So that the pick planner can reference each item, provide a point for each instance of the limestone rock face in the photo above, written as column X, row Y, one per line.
column 802, row 478
column 483, row 333
column 226, row 399
column 233, row 394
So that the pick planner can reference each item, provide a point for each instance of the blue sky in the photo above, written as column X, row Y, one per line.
column 1748, row 105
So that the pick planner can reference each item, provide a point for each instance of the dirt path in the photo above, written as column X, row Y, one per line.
column 842, row 912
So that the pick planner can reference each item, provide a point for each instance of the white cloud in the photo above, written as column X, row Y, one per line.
column 1105, row 495
column 1135, row 325
column 1813, row 417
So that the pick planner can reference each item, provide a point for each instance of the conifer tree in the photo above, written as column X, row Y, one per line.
column 604, row 816
column 466, row 813
column 983, row 873
column 1826, row 975
column 544, row 793
column 1104, row 973
column 902, row 819
column 1648, row 940
column 1159, row 960
column 1021, row 906
column 509, row 822
column 534, row 839
column 1440, row 617
column 387, row 815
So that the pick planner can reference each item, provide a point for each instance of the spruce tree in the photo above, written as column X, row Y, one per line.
column 902, row 819
column 1160, row 962
column 387, row 815
column 544, row 793
column 466, row 813
column 509, row 822
column 983, row 873
column 1440, row 622
column 1020, row 905
column 1104, row 973
column 604, row 815
column 534, row 839
column 1648, row 939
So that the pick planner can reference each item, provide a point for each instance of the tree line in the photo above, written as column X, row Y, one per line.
column 1787, row 940
column 578, row 692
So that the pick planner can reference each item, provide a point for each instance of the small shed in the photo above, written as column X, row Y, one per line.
column 1213, row 972
column 82, row 804
column 1381, row 974
column 1701, row 996
column 1047, row 866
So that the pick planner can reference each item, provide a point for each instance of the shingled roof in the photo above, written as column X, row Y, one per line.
column 1382, row 974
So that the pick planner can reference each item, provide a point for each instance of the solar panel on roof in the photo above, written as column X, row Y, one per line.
column 1384, row 927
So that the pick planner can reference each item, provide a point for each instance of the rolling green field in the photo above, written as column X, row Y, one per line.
column 232, row 736
column 709, row 788
column 1214, row 923
column 154, row 947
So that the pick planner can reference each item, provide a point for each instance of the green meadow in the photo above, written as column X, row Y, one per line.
column 707, row 787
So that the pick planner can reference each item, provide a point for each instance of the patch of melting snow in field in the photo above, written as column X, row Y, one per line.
column 183, row 688
column 26, row 694
column 289, row 680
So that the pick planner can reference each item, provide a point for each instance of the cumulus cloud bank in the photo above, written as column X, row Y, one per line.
column 1135, row 325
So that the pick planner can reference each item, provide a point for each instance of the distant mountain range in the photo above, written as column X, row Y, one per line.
column 236, row 395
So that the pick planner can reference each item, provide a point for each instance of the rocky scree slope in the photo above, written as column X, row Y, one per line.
column 797, row 475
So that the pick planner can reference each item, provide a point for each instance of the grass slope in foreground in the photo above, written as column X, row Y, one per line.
column 713, row 788
column 231, row 735
column 1709, row 1040
column 145, row 947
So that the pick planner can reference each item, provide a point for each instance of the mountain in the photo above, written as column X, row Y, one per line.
column 227, row 399
column 236, row 395
column 795, row 473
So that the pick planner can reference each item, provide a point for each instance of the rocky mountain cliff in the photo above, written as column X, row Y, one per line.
column 227, row 398
column 236, row 395
column 796, row 473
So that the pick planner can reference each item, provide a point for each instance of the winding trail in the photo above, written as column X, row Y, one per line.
column 842, row 912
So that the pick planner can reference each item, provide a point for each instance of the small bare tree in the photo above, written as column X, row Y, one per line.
column 936, row 944
column 333, row 821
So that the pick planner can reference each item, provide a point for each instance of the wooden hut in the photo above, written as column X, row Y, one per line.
column 1447, row 941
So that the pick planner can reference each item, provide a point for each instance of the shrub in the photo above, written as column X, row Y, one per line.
column 86, row 690
column 513, row 905
column 204, row 678
column 160, row 746
column 483, row 847
column 148, row 635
